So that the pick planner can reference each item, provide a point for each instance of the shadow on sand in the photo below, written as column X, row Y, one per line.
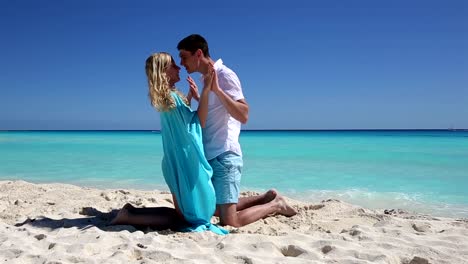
column 92, row 218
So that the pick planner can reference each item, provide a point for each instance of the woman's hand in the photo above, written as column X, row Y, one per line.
column 209, row 78
column 214, row 79
column 193, row 92
column 202, row 110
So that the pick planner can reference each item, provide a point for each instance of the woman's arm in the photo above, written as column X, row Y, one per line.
column 203, row 103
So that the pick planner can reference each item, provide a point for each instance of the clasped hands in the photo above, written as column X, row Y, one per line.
column 210, row 81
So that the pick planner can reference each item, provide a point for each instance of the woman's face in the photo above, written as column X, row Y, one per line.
column 172, row 73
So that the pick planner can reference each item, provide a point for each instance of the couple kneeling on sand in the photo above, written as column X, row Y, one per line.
column 202, row 160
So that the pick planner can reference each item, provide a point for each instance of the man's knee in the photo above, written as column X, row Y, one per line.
column 228, row 214
column 230, row 220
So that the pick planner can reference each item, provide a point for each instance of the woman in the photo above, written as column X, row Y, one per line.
column 184, row 165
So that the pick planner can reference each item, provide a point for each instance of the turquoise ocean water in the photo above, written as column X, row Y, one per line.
column 424, row 171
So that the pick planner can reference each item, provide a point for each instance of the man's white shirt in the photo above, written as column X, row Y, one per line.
column 221, row 133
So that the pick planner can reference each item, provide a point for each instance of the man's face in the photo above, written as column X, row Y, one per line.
column 189, row 61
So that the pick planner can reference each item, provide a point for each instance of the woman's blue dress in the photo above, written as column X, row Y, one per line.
column 185, row 168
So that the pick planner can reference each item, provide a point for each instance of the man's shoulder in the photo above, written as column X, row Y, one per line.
column 222, row 68
column 225, row 69
column 227, row 77
column 226, row 72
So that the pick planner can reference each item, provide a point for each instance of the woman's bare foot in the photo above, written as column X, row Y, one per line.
column 283, row 207
column 122, row 216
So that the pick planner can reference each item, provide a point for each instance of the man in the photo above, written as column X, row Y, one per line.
column 227, row 109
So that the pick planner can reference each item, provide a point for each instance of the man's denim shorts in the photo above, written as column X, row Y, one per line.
column 227, row 169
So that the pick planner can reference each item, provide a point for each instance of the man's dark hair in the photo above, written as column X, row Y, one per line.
column 194, row 42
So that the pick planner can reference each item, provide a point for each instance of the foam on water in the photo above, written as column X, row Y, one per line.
column 415, row 202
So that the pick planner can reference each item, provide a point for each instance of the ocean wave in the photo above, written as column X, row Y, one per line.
column 415, row 202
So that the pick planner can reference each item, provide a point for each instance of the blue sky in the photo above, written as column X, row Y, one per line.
column 302, row 64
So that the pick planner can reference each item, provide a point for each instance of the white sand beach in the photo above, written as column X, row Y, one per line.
column 59, row 223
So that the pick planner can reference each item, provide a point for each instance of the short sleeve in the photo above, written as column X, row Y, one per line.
column 230, row 84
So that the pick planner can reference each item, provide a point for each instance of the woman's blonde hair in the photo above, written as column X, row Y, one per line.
column 158, row 82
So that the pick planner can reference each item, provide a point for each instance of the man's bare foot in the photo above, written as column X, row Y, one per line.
column 284, row 208
column 122, row 215
column 269, row 196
